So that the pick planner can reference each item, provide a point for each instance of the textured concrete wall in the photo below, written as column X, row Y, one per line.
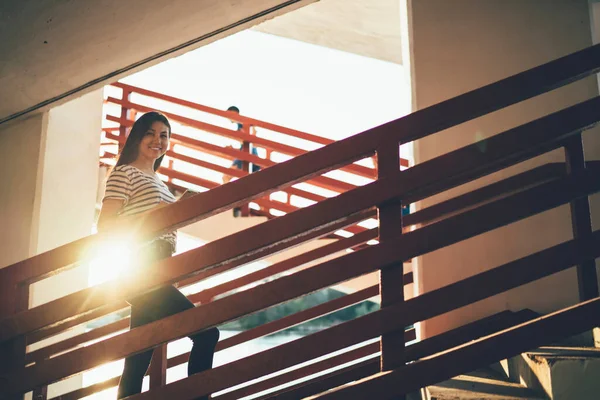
column 461, row 45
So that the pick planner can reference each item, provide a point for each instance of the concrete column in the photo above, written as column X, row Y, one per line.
column 66, row 187
column 461, row 45
column 20, row 144
column 50, row 163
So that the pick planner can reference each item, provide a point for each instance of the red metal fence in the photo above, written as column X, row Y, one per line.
column 433, row 228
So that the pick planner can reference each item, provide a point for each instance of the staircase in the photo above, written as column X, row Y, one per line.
column 384, row 365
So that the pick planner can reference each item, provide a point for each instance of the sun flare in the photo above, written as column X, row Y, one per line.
column 114, row 260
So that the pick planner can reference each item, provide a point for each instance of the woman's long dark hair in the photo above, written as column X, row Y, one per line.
column 130, row 151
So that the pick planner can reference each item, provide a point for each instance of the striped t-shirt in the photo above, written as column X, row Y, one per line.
column 140, row 192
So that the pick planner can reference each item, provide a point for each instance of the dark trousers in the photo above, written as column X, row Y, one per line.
column 152, row 306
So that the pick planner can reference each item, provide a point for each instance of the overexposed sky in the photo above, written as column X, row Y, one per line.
column 318, row 90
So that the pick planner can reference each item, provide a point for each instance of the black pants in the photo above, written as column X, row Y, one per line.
column 152, row 306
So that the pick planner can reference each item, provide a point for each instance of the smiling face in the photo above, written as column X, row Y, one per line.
column 155, row 142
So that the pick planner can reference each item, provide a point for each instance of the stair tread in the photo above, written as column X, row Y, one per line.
column 565, row 352
column 483, row 384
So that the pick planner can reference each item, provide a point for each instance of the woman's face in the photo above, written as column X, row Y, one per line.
column 155, row 142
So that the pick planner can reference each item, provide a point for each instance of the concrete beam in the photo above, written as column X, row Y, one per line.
column 53, row 51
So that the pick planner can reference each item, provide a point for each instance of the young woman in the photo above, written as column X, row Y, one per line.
column 133, row 188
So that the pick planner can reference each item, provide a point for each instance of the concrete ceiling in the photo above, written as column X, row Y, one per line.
column 367, row 27
column 54, row 50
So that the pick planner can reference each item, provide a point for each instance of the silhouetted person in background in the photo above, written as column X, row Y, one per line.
column 239, row 163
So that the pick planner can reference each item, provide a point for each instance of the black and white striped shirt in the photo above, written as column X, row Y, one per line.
column 140, row 192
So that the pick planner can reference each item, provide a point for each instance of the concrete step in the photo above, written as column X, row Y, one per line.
column 483, row 384
column 561, row 372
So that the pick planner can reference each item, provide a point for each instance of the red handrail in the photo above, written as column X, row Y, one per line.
column 424, row 180
column 130, row 108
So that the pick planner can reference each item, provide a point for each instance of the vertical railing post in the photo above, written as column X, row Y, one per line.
column 12, row 351
column 124, row 115
column 246, row 167
column 581, row 219
column 40, row 393
column 391, row 283
column 158, row 367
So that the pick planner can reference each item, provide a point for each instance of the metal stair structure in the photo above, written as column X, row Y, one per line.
column 387, row 360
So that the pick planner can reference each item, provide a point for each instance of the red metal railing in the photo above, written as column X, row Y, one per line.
column 448, row 223
column 193, row 117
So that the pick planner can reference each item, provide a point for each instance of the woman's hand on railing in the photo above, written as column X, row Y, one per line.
column 187, row 194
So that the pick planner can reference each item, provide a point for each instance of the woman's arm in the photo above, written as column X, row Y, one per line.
column 109, row 213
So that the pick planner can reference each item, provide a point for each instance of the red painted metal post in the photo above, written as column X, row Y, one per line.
column 247, row 148
column 158, row 367
column 581, row 220
column 124, row 115
column 391, row 283
column 12, row 352
column 40, row 393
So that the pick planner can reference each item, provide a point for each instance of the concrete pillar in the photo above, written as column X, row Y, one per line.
column 51, row 176
column 20, row 144
column 66, row 187
column 461, row 45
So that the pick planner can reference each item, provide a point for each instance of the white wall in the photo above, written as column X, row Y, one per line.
column 20, row 144
column 461, row 45
column 50, row 162
column 66, row 187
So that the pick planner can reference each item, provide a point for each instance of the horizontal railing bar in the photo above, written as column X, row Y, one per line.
column 508, row 343
column 504, row 187
column 206, row 295
column 580, row 116
column 334, row 184
column 238, row 173
column 445, row 171
column 432, row 119
column 39, row 335
column 357, row 169
column 424, row 348
column 286, row 265
column 326, row 382
column 196, row 180
column 67, row 344
column 173, row 174
column 270, row 328
column 287, row 208
column 225, row 114
column 321, row 181
column 289, row 321
column 201, row 145
column 302, row 193
column 301, row 317
column 408, row 173
column 278, row 205
column 279, row 147
column 352, row 355
column 263, row 330
column 314, row 234
column 89, row 390
column 318, row 344
column 407, row 246
column 331, row 306
column 231, row 171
